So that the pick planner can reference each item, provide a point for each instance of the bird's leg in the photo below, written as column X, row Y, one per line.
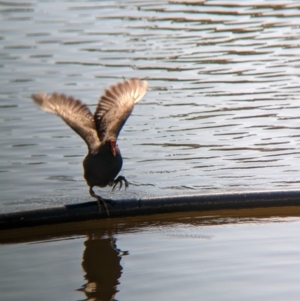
column 100, row 200
column 119, row 180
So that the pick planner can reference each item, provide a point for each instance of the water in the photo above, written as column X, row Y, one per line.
column 230, row 255
column 221, row 113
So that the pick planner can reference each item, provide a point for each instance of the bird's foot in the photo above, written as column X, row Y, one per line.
column 119, row 180
column 101, row 201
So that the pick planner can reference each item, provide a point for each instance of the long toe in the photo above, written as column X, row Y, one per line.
column 100, row 201
column 116, row 183
column 119, row 180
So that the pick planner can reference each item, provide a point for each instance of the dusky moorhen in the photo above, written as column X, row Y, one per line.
column 99, row 131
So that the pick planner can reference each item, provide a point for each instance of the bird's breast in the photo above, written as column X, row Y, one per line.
column 102, row 168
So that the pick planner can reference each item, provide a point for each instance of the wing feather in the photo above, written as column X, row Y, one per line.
column 115, row 106
column 74, row 113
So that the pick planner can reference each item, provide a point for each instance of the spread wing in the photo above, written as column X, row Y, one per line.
column 115, row 106
column 74, row 113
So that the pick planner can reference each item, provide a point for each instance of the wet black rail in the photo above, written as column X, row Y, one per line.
column 150, row 205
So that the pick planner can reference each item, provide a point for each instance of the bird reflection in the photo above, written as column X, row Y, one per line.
column 101, row 262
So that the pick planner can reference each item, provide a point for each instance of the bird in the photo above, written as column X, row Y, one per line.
column 100, row 131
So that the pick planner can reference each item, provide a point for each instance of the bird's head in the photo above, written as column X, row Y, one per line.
column 113, row 146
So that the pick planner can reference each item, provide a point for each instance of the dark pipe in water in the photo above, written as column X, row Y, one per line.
column 150, row 205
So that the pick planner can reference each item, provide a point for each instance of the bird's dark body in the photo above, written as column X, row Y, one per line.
column 102, row 168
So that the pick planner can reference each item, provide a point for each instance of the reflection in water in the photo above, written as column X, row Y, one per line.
column 101, row 262
column 184, row 256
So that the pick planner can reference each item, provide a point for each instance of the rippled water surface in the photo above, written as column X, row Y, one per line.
column 221, row 114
